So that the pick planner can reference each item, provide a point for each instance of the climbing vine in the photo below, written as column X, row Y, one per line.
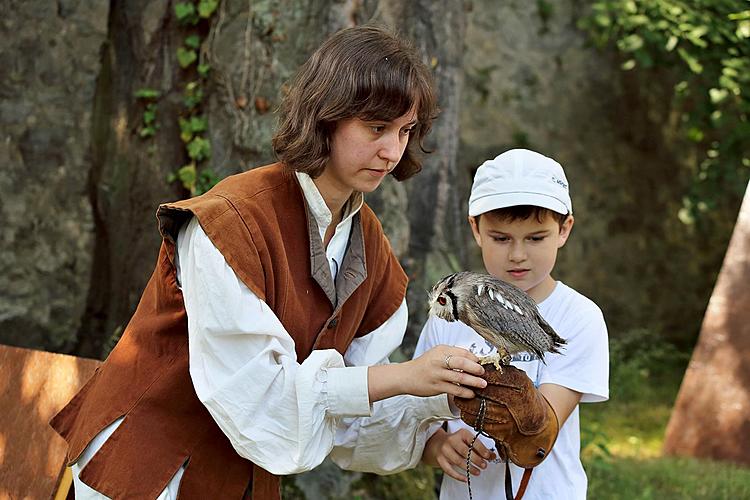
column 194, row 17
column 705, row 44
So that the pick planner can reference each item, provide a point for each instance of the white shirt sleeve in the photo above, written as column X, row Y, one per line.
column 280, row 414
column 583, row 365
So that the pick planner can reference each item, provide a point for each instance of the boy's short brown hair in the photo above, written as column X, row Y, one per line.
column 365, row 72
column 524, row 212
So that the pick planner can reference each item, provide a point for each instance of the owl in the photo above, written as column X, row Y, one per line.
column 498, row 311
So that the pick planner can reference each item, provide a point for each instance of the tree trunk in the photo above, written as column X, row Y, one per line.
column 710, row 417
column 128, row 175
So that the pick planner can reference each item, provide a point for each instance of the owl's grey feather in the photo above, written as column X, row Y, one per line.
column 500, row 312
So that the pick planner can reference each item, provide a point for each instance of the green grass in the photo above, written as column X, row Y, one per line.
column 622, row 439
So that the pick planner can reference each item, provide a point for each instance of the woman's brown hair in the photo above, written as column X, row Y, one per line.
column 365, row 72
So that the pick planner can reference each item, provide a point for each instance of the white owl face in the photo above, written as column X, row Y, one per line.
column 443, row 303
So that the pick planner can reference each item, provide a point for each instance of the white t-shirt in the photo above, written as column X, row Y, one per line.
column 583, row 366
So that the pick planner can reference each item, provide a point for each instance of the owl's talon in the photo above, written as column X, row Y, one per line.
column 494, row 359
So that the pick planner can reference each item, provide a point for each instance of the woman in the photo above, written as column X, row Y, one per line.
column 260, row 345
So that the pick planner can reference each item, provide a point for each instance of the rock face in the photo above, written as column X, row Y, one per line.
column 50, row 60
column 532, row 80
column 80, row 187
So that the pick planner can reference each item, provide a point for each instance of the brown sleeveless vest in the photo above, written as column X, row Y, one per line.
column 259, row 222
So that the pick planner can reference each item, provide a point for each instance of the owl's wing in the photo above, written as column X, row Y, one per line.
column 527, row 325
column 514, row 325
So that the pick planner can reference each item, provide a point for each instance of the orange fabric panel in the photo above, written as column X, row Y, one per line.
column 34, row 385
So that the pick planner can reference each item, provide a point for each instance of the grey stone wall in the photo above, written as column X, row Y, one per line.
column 529, row 79
column 50, row 62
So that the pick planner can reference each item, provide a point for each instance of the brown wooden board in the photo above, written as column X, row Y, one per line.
column 34, row 385
column 711, row 418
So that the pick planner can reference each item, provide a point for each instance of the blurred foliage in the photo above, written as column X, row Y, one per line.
column 705, row 44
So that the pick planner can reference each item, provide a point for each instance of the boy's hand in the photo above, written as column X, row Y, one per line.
column 449, row 451
column 444, row 369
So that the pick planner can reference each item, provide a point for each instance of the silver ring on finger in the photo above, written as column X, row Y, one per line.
column 447, row 361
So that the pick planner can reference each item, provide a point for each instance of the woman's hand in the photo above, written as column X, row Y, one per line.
column 441, row 370
column 449, row 451
column 444, row 369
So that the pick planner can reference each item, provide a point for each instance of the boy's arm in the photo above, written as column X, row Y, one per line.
column 562, row 400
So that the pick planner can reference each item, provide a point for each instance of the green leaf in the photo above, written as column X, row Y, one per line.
column 147, row 132
column 193, row 41
column 149, row 116
column 718, row 95
column 630, row 43
column 199, row 149
column 743, row 29
column 671, row 43
column 186, row 133
column 628, row 65
column 691, row 61
column 186, row 57
column 207, row 7
column 695, row 134
column 198, row 124
column 147, row 93
column 203, row 69
column 185, row 12
column 187, row 176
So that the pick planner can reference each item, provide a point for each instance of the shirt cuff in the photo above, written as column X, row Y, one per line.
column 348, row 394
column 437, row 406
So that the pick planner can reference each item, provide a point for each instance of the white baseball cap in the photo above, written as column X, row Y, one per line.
column 520, row 177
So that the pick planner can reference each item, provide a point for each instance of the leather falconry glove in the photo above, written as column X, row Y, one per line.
column 515, row 414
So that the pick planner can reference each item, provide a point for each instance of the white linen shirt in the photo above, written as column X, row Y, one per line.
column 283, row 415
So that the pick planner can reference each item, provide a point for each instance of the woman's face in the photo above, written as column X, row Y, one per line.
column 363, row 152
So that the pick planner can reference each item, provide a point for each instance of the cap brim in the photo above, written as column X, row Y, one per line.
column 494, row 201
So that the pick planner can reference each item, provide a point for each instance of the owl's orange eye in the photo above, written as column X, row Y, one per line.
column 441, row 300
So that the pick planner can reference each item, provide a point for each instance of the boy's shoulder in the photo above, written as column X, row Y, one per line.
column 567, row 298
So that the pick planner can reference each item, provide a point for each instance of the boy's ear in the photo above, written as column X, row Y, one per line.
column 475, row 230
column 565, row 230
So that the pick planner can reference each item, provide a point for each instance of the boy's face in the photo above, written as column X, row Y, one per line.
column 521, row 252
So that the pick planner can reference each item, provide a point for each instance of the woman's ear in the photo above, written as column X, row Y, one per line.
column 565, row 230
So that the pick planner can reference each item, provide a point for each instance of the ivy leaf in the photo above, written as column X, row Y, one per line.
column 187, row 176
column 149, row 115
column 186, row 132
column 185, row 12
column 203, row 69
column 199, row 149
column 198, row 124
column 193, row 41
column 207, row 7
column 186, row 57
column 147, row 93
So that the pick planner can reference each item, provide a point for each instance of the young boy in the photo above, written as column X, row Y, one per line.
column 520, row 213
